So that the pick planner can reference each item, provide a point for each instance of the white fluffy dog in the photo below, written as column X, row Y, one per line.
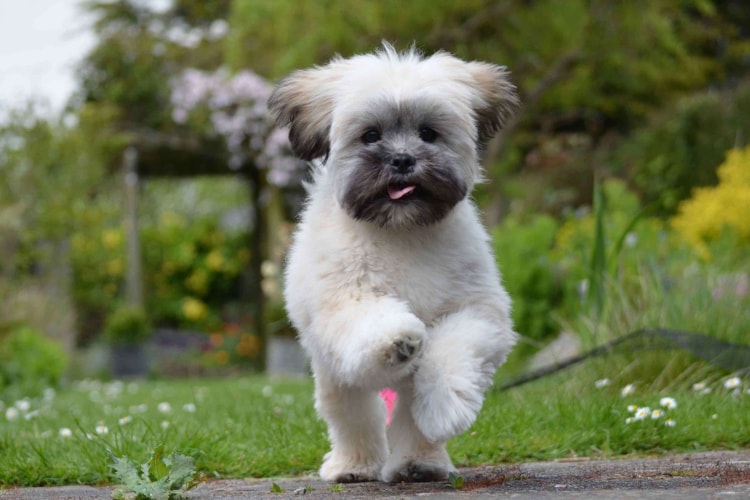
column 390, row 279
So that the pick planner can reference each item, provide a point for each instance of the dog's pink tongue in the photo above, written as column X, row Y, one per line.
column 396, row 194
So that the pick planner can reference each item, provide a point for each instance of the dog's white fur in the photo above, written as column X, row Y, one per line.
column 390, row 302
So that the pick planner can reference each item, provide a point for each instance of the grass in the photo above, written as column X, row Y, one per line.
column 253, row 427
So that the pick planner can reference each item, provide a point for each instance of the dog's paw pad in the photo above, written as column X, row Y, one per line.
column 403, row 350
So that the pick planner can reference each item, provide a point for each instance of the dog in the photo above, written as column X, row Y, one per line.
column 390, row 279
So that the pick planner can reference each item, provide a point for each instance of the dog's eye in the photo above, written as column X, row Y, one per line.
column 427, row 134
column 371, row 136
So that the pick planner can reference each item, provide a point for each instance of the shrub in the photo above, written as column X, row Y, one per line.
column 127, row 325
column 710, row 210
column 522, row 250
column 191, row 270
column 679, row 149
column 30, row 362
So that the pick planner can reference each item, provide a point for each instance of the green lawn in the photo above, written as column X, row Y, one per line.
column 253, row 427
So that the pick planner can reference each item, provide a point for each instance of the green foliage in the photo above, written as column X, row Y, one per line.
column 29, row 362
column 703, row 217
column 457, row 481
column 50, row 174
column 191, row 270
column 274, row 38
column 598, row 260
column 127, row 325
column 539, row 421
column 160, row 478
column 194, row 269
column 138, row 51
column 522, row 249
column 275, row 488
column 682, row 145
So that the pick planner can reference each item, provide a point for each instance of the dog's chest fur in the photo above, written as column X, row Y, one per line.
column 432, row 268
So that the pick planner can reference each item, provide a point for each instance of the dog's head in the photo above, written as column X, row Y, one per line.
column 400, row 133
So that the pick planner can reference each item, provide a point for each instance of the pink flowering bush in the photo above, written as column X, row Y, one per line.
column 233, row 107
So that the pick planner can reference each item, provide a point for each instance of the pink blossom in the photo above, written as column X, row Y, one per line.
column 237, row 112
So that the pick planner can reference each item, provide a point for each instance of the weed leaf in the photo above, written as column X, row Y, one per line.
column 275, row 488
column 160, row 478
column 156, row 466
column 457, row 481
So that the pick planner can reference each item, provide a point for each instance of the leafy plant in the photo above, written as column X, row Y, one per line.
column 160, row 478
column 336, row 488
column 127, row 325
column 275, row 488
column 680, row 147
column 702, row 217
column 522, row 247
column 29, row 362
column 457, row 480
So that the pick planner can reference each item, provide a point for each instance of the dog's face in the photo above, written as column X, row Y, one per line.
column 399, row 132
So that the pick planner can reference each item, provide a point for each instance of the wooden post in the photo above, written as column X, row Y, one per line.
column 258, row 238
column 133, row 274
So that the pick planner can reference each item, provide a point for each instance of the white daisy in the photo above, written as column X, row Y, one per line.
column 628, row 390
column 23, row 405
column 601, row 383
column 668, row 403
column 642, row 413
column 732, row 383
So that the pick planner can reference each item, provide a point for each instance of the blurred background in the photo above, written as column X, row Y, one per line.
column 146, row 201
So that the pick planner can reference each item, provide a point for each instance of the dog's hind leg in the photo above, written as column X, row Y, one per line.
column 356, row 429
column 413, row 458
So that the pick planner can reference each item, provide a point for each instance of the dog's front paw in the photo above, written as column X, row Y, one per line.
column 404, row 339
column 403, row 350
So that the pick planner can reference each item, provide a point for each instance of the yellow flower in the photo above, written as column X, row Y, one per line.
column 215, row 260
column 111, row 238
column 221, row 357
column 702, row 217
column 194, row 309
column 197, row 281
column 243, row 256
column 172, row 219
column 115, row 267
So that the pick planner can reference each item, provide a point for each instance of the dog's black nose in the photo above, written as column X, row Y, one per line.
column 403, row 162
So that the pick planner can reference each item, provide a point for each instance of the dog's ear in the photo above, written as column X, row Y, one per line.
column 499, row 99
column 304, row 101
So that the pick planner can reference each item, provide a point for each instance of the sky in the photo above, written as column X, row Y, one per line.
column 40, row 43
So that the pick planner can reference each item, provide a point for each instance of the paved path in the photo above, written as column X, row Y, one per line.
column 714, row 475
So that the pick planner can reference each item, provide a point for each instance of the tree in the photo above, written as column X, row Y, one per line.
column 591, row 69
